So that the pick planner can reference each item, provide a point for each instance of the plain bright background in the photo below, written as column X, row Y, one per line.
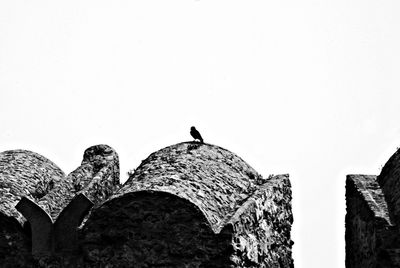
column 309, row 88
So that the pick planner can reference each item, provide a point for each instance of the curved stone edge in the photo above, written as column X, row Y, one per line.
column 120, row 196
column 261, row 226
column 389, row 182
column 41, row 226
column 169, row 192
column 25, row 173
column 213, row 178
column 62, row 236
column 109, row 223
column 390, row 170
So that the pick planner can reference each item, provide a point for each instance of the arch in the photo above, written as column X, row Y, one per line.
column 152, row 228
column 216, row 180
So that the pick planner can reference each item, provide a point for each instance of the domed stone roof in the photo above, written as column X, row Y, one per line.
column 24, row 173
column 216, row 180
column 193, row 205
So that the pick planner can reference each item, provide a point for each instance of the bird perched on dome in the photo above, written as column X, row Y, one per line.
column 196, row 134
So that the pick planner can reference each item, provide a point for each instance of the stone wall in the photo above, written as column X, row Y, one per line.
column 372, row 219
column 152, row 229
column 390, row 183
column 361, row 248
column 262, row 225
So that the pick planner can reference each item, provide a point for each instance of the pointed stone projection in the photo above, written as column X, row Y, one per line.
column 60, row 237
column 373, row 218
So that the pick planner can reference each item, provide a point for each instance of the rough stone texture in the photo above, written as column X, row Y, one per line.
column 152, row 229
column 261, row 227
column 214, row 179
column 370, row 191
column 187, row 205
column 390, row 183
column 97, row 177
column 14, row 243
column 22, row 173
column 193, row 205
column 360, row 225
column 372, row 219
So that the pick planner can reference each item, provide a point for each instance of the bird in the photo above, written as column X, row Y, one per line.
column 196, row 134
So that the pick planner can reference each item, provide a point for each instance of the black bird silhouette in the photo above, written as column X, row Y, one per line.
column 195, row 134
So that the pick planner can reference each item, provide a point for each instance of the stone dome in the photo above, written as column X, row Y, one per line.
column 214, row 179
column 24, row 173
column 193, row 205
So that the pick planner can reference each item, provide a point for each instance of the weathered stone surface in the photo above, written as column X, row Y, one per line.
column 214, row 179
column 97, row 177
column 152, row 229
column 262, row 225
column 389, row 180
column 187, row 205
column 22, row 173
column 14, row 243
column 360, row 234
column 25, row 173
column 372, row 236
column 41, row 227
column 193, row 205
column 372, row 194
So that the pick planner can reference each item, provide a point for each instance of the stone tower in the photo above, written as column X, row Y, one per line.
column 373, row 218
column 187, row 205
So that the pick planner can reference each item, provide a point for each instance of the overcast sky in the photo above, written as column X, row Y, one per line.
column 309, row 88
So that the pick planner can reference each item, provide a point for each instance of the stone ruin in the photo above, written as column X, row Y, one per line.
column 187, row 205
column 373, row 218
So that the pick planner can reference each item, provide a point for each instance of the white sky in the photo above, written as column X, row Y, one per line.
column 308, row 88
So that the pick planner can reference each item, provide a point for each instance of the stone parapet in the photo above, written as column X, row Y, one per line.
column 262, row 225
column 372, row 218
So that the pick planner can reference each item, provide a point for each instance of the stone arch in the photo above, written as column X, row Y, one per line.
column 153, row 228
